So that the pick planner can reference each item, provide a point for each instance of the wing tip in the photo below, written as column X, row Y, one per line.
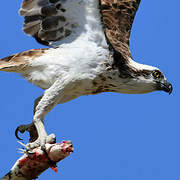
column 19, row 62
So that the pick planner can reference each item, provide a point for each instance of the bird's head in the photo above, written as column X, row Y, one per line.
column 160, row 81
column 147, row 79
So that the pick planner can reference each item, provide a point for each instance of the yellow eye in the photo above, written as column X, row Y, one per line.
column 157, row 74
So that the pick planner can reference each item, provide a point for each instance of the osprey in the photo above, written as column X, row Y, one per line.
column 89, row 54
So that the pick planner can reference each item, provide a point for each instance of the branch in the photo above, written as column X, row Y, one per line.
column 31, row 164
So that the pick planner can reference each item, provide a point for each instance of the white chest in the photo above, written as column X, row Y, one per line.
column 83, row 60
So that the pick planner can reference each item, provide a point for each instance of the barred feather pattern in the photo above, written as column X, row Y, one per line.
column 46, row 20
column 118, row 17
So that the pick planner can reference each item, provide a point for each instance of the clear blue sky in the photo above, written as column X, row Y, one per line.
column 115, row 136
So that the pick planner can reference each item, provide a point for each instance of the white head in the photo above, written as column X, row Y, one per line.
column 135, row 78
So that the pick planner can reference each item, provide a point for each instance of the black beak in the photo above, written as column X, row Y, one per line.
column 164, row 85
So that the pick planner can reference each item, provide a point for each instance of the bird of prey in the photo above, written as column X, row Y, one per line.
column 88, row 54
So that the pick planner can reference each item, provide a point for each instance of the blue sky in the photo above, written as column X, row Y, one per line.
column 115, row 136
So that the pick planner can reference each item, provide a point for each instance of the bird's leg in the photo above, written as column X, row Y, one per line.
column 49, row 99
column 29, row 127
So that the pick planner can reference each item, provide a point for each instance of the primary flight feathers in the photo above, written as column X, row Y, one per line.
column 51, row 20
column 47, row 20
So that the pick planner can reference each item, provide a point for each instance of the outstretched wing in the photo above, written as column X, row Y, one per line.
column 118, row 17
column 48, row 20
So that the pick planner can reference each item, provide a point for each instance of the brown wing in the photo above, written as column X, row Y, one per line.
column 118, row 16
column 46, row 20
column 20, row 61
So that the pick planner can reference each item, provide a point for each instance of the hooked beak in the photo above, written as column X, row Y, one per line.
column 165, row 86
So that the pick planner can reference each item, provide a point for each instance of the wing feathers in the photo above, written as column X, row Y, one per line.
column 49, row 10
column 19, row 62
column 45, row 20
column 32, row 28
column 118, row 16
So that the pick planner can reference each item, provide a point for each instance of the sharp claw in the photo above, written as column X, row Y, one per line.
column 30, row 152
column 29, row 128
column 16, row 134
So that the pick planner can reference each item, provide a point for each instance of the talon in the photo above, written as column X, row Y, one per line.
column 40, row 142
column 30, row 152
column 29, row 128
column 21, row 129
column 51, row 139
column 16, row 133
